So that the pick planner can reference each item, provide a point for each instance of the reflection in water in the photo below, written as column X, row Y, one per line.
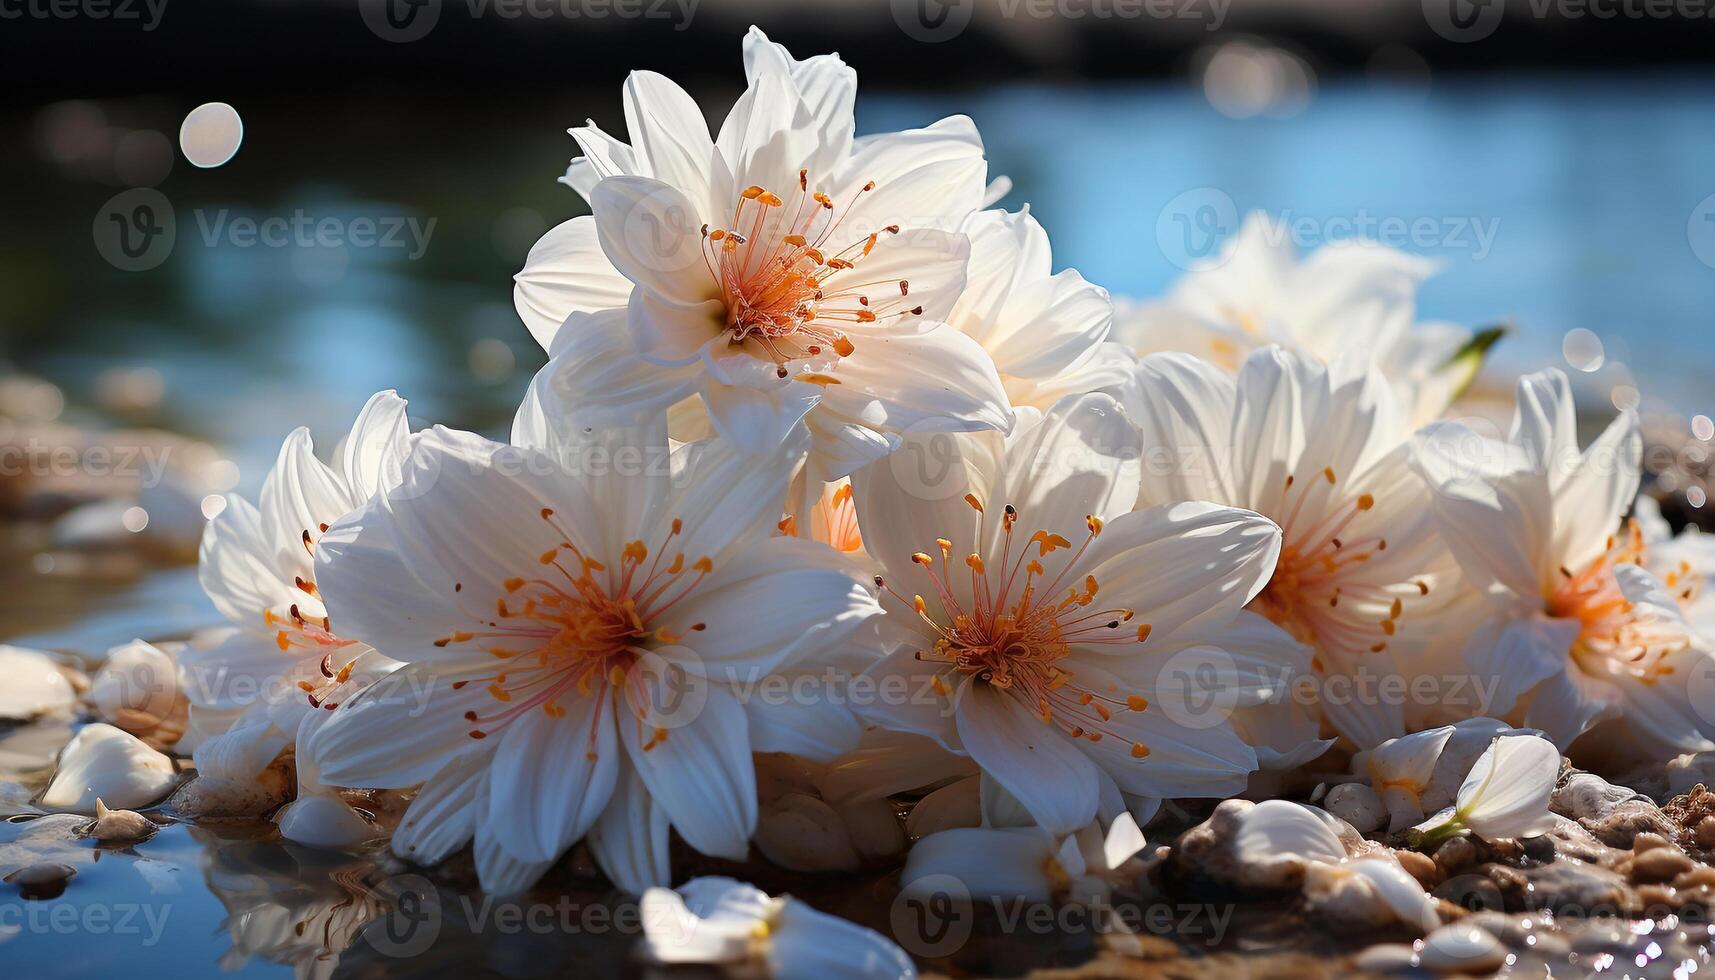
column 290, row 905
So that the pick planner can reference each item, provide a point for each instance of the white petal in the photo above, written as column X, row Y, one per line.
column 925, row 378
column 808, row 943
column 1006, row 863
column 701, row 775
column 566, row 272
column 630, row 838
column 1402, row 893
column 1507, row 791
column 372, row 457
column 236, row 564
column 1277, row 828
column 1185, row 569
column 668, row 133
column 442, row 816
column 1186, row 429
column 552, row 777
column 1035, row 762
column 1124, row 840
column 651, row 232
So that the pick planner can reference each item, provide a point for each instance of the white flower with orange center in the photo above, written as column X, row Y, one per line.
column 779, row 272
column 1322, row 451
column 1575, row 629
column 287, row 665
column 1039, row 619
column 576, row 615
column 1345, row 297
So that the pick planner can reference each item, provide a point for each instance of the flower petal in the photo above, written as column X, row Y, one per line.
column 1034, row 762
column 566, row 272
column 701, row 775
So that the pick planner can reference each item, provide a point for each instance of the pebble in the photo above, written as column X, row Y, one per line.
column 1462, row 948
column 802, row 833
column 1420, row 866
column 1659, row 863
column 42, row 881
column 1455, row 854
column 1706, row 833
column 1358, row 805
column 1386, row 958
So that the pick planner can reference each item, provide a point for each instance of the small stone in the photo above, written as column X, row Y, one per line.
column 1454, row 854
column 42, row 881
column 1614, row 814
column 103, row 761
column 114, row 826
column 1358, row 805
column 1420, row 866
column 1701, row 876
column 802, row 833
column 1462, row 948
column 874, row 829
column 1648, row 841
column 1706, row 833
column 1386, row 958
column 1660, row 864
column 1657, row 898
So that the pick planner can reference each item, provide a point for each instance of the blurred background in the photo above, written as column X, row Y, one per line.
column 179, row 288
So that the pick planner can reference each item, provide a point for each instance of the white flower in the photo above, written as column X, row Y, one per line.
column 1323, row 452
column 782, row 271
column 288, row 664
column 34, row 685
column 1574, row 630
column 1685, row 564
column 1506, row 794
column 1400, row 770
column 1281, row 832
column 1045, row 616
column 102, row 761
column 723, row 922
column 1027, row 863
column 1045, row 330
column 1345, row 296
column 551, row 599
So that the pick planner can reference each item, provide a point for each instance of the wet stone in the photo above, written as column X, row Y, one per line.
column 39, row 882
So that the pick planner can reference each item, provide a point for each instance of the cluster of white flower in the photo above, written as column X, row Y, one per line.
column 813, row 411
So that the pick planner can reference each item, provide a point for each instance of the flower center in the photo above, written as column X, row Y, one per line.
column 1317, row 592
column 565, row 632
column 1018, row 632
column 1612, row 633
column 297, row 631
column 779, row 270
